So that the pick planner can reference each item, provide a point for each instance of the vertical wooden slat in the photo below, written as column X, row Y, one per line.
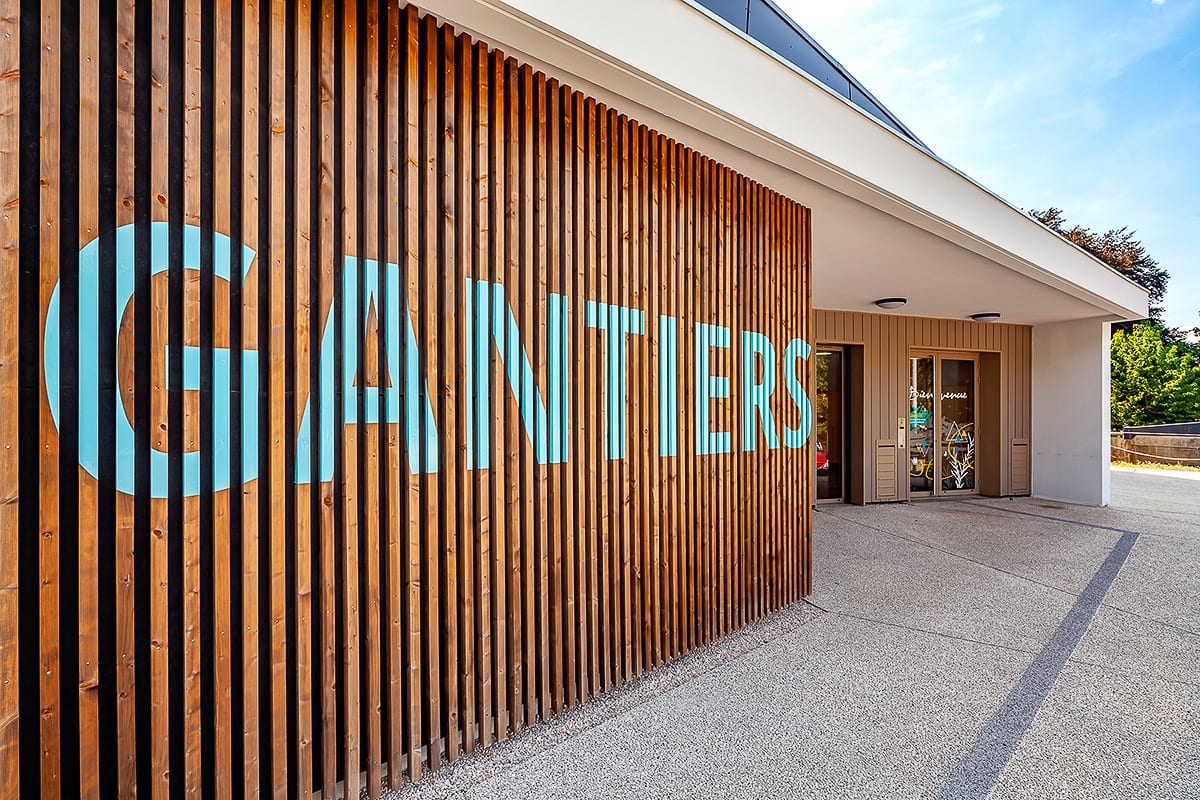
column 126, row 682
column 251, row 686
column 89, row 539
column 606, row 584
column 415, row 690
column 620, row 279
column 394, row 457
column 576, row 255
column 464, row 504
column 592, row 497
column 48, row 472
column 570, row 541
column 550, row 176
column 224, row 699
column 497, row 483
column 674, row 301
column 758, row 517
column 638, row 404
column 523, row 303
column 369, row 328
column 510, row 448
column 352, row 436
column 652, row 428
column 724, row 475
column 188, row 330
column 535, row 323
column 428, row 340
column 488, row 684
column 327, row 620
column 161, row 203
column 447, row 312
column 738, row 458
column 305, row 242
column 277, row 430
column 10, row 212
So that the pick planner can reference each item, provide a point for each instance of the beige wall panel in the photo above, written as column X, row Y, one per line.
column 887, row 340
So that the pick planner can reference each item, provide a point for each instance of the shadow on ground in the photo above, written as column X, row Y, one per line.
column 963, row 648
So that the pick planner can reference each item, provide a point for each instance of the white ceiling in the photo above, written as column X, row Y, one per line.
column 861, row 254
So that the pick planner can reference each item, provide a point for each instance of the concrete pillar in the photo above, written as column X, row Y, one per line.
column 1071, row 412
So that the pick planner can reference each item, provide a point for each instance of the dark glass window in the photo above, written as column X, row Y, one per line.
column 764, row 22
column 868, row 105
column 732, row 11
column 778, row 33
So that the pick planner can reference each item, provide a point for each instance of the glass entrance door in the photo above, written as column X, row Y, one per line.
column 941, row 424
column 922, row 437
column 830, row 444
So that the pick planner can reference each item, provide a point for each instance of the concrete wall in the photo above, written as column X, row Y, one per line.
column 1156, row 448
column 1071, row 411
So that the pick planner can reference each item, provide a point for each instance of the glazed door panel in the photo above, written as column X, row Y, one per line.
column 943, row 407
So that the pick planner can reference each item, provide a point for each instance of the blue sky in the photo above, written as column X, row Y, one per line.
column 1092, row 106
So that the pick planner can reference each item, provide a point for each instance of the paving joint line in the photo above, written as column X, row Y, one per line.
column 982, row 503
column 914, row 629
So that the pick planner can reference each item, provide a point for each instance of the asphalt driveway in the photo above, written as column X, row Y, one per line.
column 950, row 649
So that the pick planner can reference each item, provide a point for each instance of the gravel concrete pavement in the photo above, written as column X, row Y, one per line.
column 951, row 648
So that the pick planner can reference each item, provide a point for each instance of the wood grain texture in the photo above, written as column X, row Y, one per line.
column 10, row 345
column 451, row 312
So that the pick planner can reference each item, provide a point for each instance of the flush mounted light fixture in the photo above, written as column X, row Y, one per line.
column 891, row 302
column 986, row 316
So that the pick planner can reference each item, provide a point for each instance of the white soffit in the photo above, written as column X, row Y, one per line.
column 677, row 68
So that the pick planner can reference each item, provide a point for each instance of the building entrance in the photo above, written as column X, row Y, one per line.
column 830, row 444
column 943, row 409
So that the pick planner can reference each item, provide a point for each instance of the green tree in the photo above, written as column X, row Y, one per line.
column 1119, row 250
column 1153, row 381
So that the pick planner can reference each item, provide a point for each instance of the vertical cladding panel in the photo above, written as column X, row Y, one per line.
column 392, row 357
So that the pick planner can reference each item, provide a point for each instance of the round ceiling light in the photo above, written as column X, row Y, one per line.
column 891, row 302
column 986, row 316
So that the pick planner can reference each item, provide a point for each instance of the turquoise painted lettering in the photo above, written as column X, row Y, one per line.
column 710, row 387
column 797, row 350
column 756, row 397
column 668, row 386
column 619, row 323
column 420, row 435
column 89, row 378
column 544, row 418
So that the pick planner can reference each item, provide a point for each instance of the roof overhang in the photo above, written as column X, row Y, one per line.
column 888, row 216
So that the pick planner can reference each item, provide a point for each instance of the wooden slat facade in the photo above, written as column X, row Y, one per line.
column 354, row 380
column 1004, row 404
